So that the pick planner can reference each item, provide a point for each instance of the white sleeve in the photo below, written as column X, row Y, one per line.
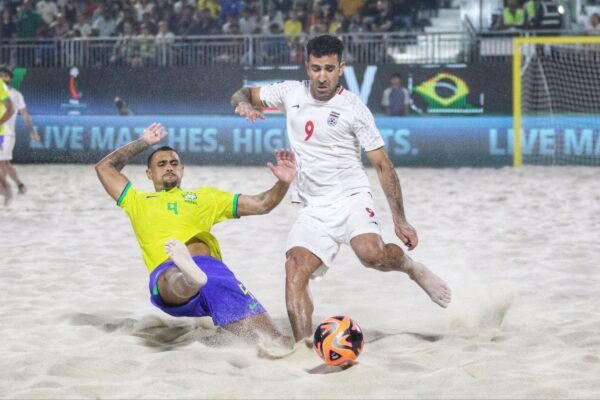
column 275, row 94
column 19, row 102
column 364, row 128
column 385, row 100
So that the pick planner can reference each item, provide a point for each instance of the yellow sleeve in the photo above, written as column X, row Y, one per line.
column 224, row 203
column 127, row 199
column 3, row 91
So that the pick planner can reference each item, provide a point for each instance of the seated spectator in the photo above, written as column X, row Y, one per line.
column 229, row 21
column 147, row 49
column 203, row 24
column 82, row 27
column 8, row 29
column 337, row 23
column 403, row 11
column 60, row 26
column 47, row 10
column 27, row 22
column 105, row 26
column 273, row 16
column 292, row 27
column 213, row 7
column 512, row 16
column 71, row 9
column 125, row 50
column 384, row 20
column 185, row 20
column 248, row 22
column 593, row 26
column 349, row 8
column 531, row 11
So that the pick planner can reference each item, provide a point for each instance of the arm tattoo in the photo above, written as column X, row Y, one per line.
column 120, row 157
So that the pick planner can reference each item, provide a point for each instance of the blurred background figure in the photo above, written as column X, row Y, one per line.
column 396, row 99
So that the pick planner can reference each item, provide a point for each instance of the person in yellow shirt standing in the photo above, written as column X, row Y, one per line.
column 172, row 226
column 6, row 111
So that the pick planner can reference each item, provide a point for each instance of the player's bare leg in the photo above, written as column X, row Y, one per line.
column 179, row 254
column 183, row 281
column 374, row 253
column 4, row 187
column 299, row 267
column 12, row 172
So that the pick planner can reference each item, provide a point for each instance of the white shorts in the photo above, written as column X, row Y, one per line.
column 6, row 148
column 322, row 230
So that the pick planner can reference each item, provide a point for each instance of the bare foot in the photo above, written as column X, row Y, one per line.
column 179, row 254
column 439, row 292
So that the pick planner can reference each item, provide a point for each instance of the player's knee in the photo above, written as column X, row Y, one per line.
column 372, row 257
column 297, row 274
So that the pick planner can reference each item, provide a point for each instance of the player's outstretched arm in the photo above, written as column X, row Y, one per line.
column 393, row 192
column 109, row 168
column 284, row 170
column 246, row 102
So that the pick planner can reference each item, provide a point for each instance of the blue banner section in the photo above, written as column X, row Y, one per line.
column 212, row 140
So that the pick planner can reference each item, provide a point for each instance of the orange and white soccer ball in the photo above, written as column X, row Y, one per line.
column 338, row 341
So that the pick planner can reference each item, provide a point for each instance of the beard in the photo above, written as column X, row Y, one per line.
column 168, row 185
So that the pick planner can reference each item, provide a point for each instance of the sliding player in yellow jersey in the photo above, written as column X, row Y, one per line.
column 172, row 226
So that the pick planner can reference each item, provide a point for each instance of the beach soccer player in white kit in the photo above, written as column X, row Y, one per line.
column 327, row 126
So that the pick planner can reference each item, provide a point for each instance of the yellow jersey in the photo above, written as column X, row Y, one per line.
column 3, row 96
column 176, row 213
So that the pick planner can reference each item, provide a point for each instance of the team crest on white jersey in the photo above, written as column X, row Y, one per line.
column 333, row 118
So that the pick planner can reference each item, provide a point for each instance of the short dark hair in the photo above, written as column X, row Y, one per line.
column 397, row 75
column 6, row 70
column 162, row 148
column 324, row 45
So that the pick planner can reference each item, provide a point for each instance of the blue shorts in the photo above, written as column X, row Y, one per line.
column 223, row 298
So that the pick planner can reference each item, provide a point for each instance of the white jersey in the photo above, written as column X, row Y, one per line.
column 326, row 137
column 18, row 104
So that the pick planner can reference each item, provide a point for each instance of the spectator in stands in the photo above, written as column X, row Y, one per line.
column 248, row 22
column 203, row 24
column 337, row 23
column 292, row 27
column 8, row 29
column 147, row 48
column 71, row 9
column 512, row 16
column 185, row 20
column 164, row 43
column 530, row 9
column 396, row 99
column 230, row 8
column 60, row 27
column 27, row 21
column 403, row 12
column 356, row 25
column 149, row 22
column 349, row 8
column 213, row 7
column 47, row 10
column 82, row 27
column 273, row 16
column 106, row 25
column 316, row 16
column 384, row 20
column 125, row 51
column 593, row 26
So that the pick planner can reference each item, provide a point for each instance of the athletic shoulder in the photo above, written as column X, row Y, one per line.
column 353, row 102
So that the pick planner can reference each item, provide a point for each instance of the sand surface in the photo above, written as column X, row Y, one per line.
column 520, row 249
